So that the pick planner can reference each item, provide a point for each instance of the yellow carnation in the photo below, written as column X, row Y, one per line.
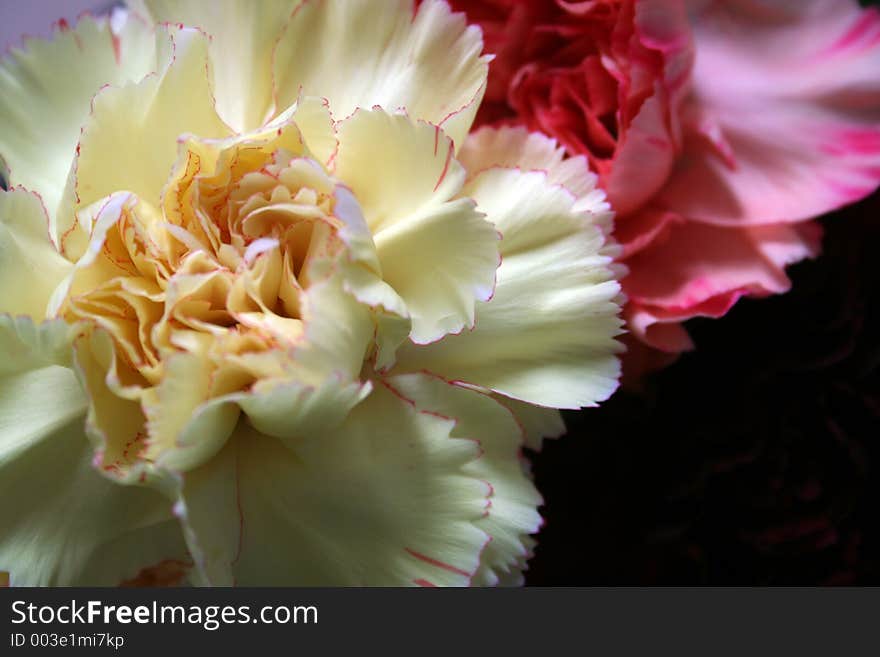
column 270, row 315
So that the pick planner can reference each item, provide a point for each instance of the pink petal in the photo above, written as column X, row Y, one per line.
column 660, row 61
column 659, row 333
column 638, row 231
column 644, row 158
column 702, row 270
column 640, row 360
column 785, row 124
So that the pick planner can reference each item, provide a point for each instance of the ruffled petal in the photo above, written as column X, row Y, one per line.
column 115, row 424
column 703, row 270
column 657, row 329
column 787, row 119
column 438, row 254
column 535, row 422
column 46, row 89
column 547, row 335
column 315, row 122
column 517, row 148
column 325, row 384
column 644, row 158
column 181, row 418
column 416, row 159
column 362, row 53
column 373, row 502
column 243, row 37
column 638, row 231
column 650, row 139
column 31, row 266
column 180, row 423
column 27, row 345
column 130, row 141
column 208, row 508
column 71, row 526
column 513, row 513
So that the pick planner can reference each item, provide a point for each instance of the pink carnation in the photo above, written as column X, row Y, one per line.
column 718, row 128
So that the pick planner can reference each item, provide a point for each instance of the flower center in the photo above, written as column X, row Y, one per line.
column 219, row 270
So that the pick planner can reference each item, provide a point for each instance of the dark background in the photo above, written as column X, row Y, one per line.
column 753, row 460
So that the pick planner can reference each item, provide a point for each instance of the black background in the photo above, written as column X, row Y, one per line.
column 752, row 460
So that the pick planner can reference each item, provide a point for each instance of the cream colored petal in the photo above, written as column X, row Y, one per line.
column 382, row 500
column 27, row 345
column 547, row 336
column 513, row 513
column 115, row 423
column 337, row 335
column 74, row 527
column 46, row 89
column 30, row 266
column 438, row 254
column 516, row 575
column 517, row 148
column 388, row 310
column 147, row 434
column 153, row 543
column 313, row 118
column 395, row 166
column 362, row 53
column 324, row 371
column 186, row 427
column 129, row 142
column 291, row 410
column 243, row 36
column 441, row 263
column 209, row 513
column 315, row 382
column 68, row 518
column 362, row 278
column 536, row 422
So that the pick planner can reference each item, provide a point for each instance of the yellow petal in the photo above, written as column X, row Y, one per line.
column 395, row 166
column 313, row 118
column 210, row 516
column 71, row 525
column 374, row 502
column 26, row 344
column 438, row 254
column 547, row 336
column 129, row 142
column 290, row 409
column 369, row 503
column 362, row 53
column 513, row 513
column 31, row 266
column 115, row 424
column 243, row 36
column 338, row 331
column 517, row 148
column 388, row 310
column 536, row 422
column 46, row 89
column 186, row 427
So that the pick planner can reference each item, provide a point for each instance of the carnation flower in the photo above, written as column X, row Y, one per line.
column 269, row 316
column 719, row 129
